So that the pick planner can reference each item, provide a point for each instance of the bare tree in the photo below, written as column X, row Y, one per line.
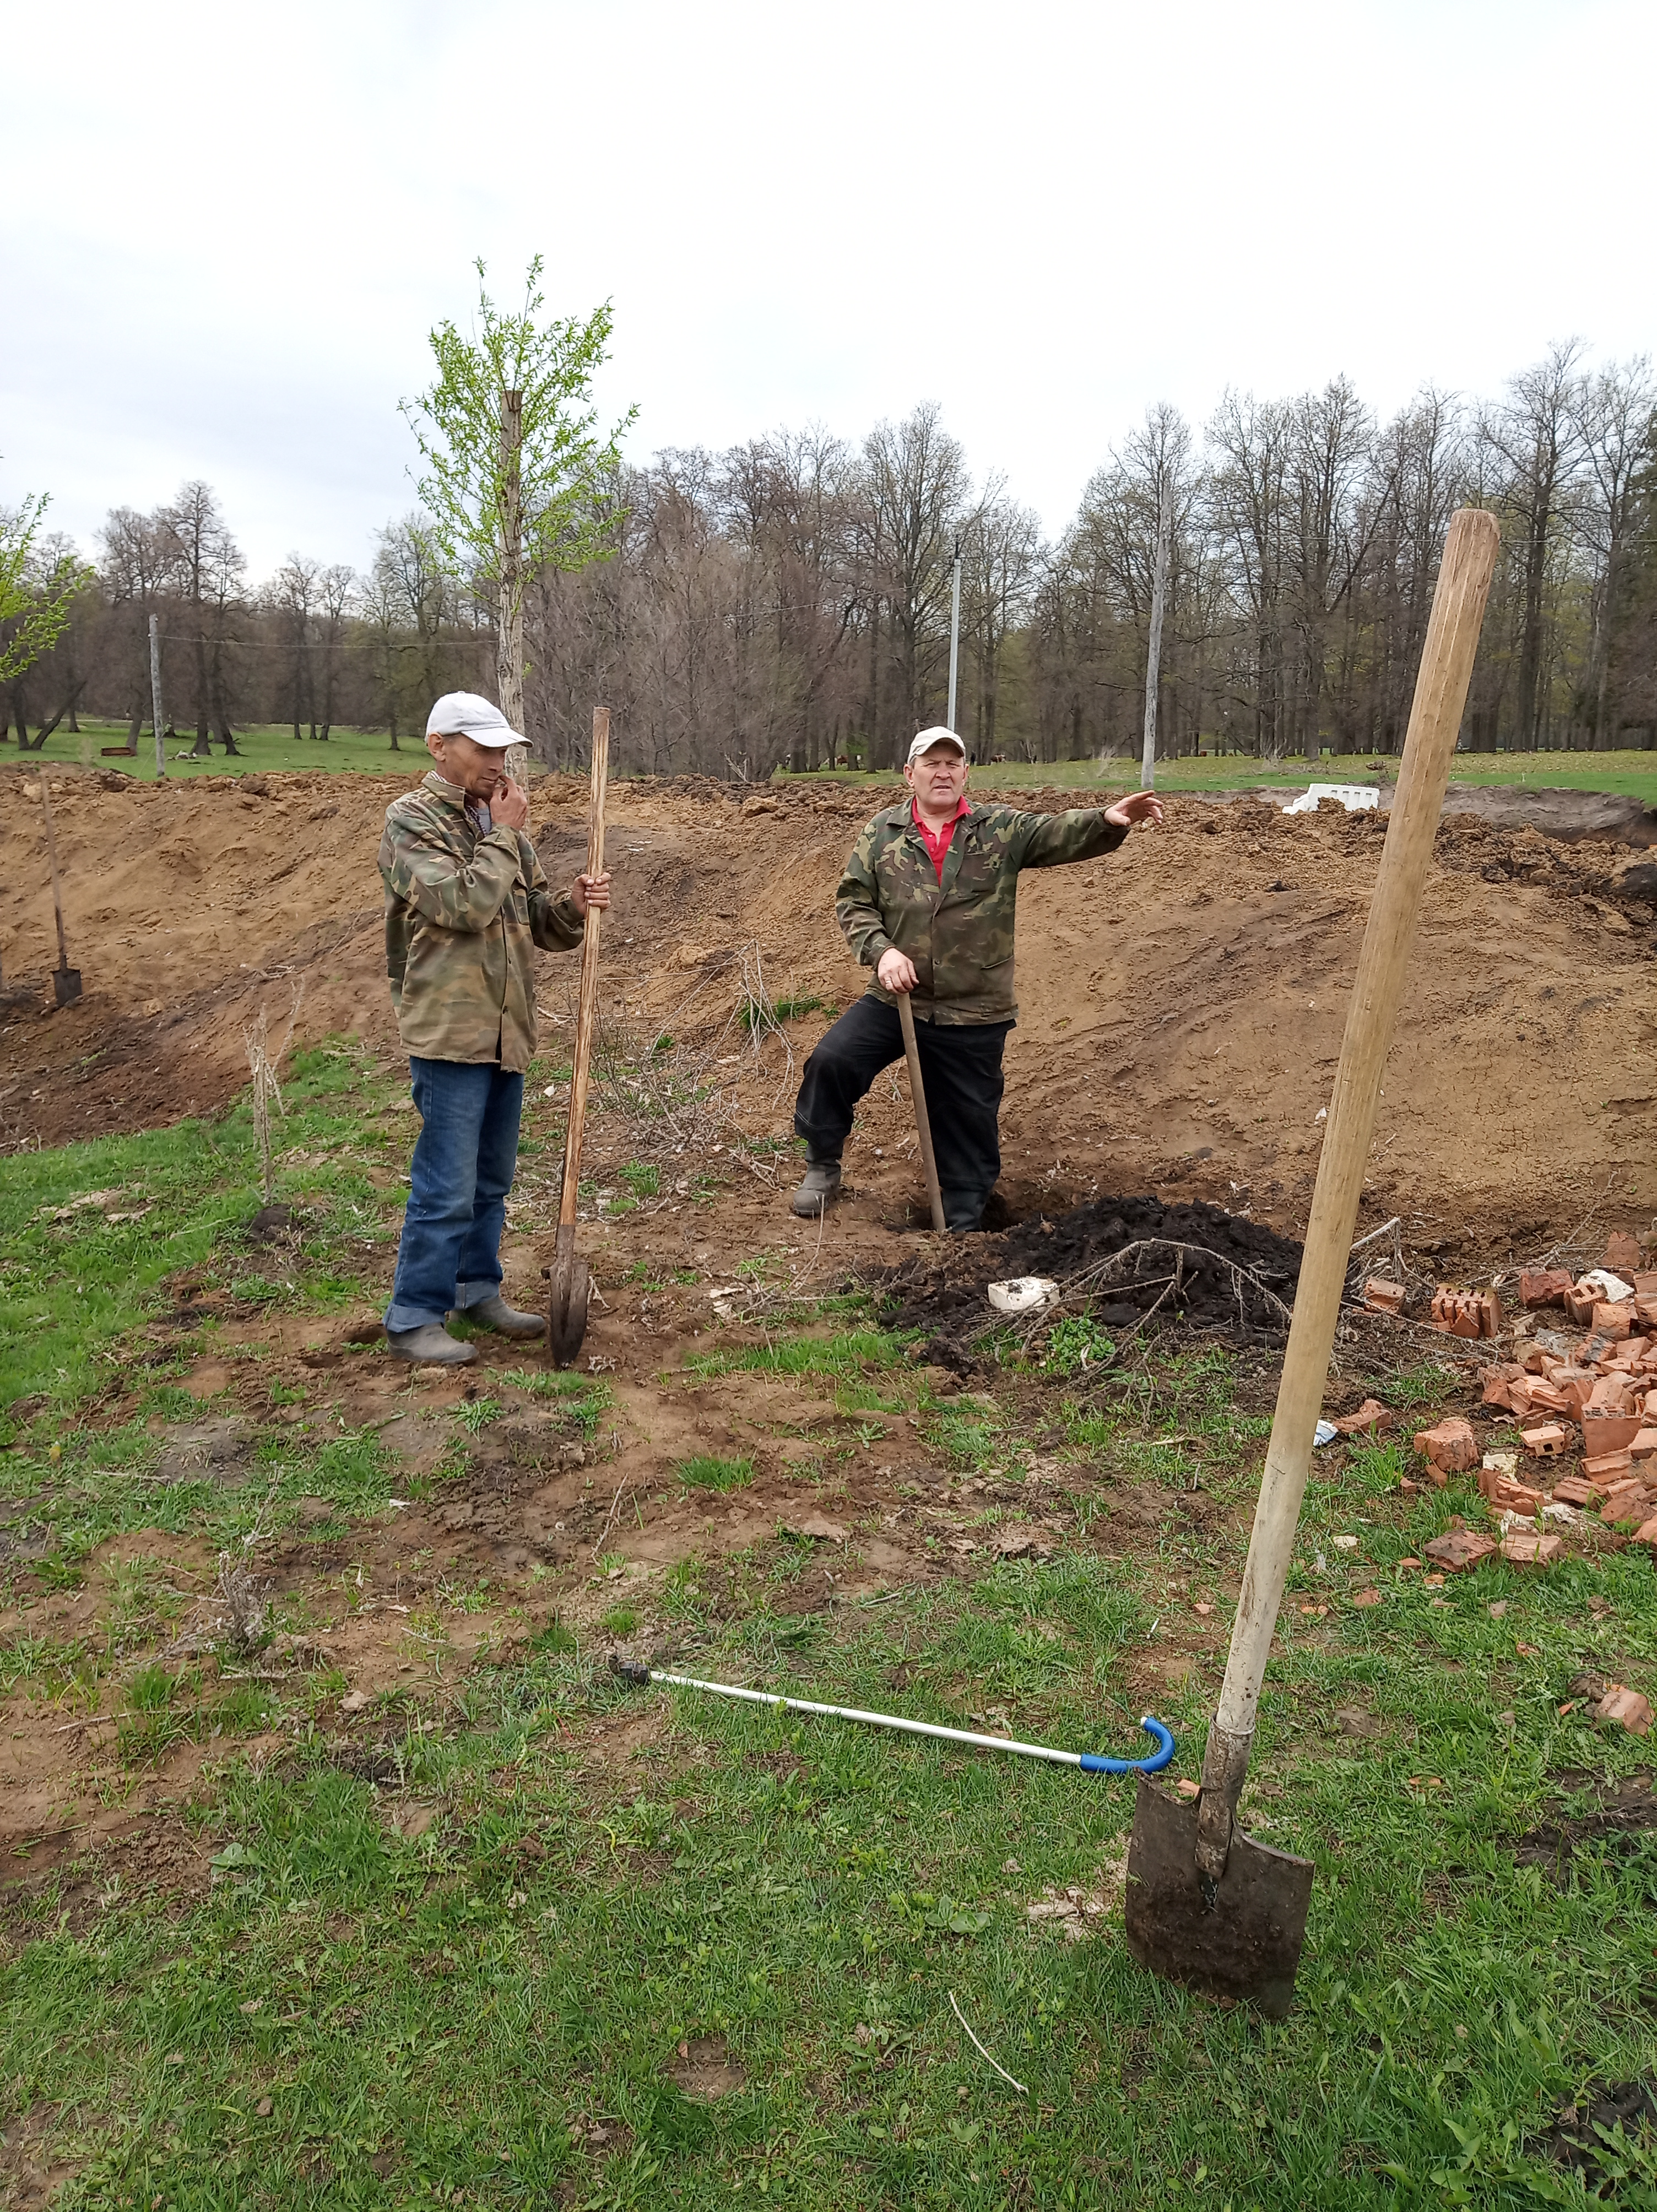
column 920, row 494
column 1536, row 435
column 209, row 567
column 1616, row 413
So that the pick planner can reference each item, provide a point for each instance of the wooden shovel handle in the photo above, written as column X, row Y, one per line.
column 922, row 1119
column 586, row 1018
column 1446, row 667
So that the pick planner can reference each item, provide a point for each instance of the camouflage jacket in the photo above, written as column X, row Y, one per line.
column 959, row 932
column 462, row 911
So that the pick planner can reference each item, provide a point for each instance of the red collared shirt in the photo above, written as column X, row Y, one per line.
column 938, row 846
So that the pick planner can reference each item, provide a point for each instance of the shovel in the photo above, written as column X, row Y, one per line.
column 923, row 1124
column 65, row 979
column 1206, row 1903
column 571, row 1283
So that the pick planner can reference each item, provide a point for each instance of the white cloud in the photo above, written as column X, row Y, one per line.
column 227, row 233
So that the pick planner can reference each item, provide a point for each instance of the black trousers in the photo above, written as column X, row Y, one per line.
column 960, row 1067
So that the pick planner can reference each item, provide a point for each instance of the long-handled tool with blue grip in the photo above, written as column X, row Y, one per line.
column 1090, row 1762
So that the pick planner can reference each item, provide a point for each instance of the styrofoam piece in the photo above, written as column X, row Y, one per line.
column 1357, row 798
column 1325, row 1433
column 1023, row 1294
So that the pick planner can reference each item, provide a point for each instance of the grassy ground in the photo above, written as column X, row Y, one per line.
column 266, row 746
column 722, row 1968
column 1634, row 774
column 1631, row 772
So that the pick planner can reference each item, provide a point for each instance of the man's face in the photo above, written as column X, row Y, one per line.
column 478, row 769
column 938, row 778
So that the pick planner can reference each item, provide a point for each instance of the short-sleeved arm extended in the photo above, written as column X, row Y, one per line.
column 420, row 867
column 857, row 901
column 554, row 923
column 1049, row 839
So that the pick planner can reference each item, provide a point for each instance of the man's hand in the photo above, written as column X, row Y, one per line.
column 1140, row 807
column 590, row 891
column 508, row 805
column 897, row 970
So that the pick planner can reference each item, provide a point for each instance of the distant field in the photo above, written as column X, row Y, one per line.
column 266, row 745
column 272, row 747
column 1634, row 774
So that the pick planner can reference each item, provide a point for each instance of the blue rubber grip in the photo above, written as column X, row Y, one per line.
column 1093, row 1762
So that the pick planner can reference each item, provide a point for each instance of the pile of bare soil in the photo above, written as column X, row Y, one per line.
column 1185, row 1265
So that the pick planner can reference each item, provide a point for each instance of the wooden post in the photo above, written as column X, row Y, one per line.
column 955, row 634
column 509, row 644
column 1446, row 667
column 1153, row 655
column 155, row 694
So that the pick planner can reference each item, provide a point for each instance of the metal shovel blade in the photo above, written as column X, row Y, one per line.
column 566, row 1320
column 66, row 982
column 1245, row 1942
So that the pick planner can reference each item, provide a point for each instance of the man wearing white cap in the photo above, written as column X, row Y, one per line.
column 927, row 901
column 466, row 902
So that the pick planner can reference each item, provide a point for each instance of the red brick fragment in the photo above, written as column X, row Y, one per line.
column 1458, row 1551
column 1610, row 1393
column 1609, row 1432
column 1626, row 1707
column 1613, row 1320
column 1645, row 1306
column 1645, row 1532
column 1382, row 1296
column 1579, row 1304
column 1508, row 1496
column 1624, row 1501
column 1609, row 1468
column 1500, row 1388
column 1576, row 1490
column 1546, row 1443
column 1544, row 1286
column 1451, row 1446
column 1370, row 1416
column 1622, row 1253
column 1524, row 1548
column 1644, row 1445
column 1539, row 1397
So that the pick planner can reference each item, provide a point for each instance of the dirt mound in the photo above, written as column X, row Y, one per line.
column 1185, row 1265
column 1181, row 1003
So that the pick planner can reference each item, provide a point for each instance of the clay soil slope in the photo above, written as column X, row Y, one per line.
column 1181, row 1003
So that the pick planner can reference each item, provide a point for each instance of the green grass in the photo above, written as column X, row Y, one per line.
column 264, row 747
column 492, row 2015
column 74, row 1277
column 1634, row 774
column 707, row 1471
column 460, row 2013
column 268, row 746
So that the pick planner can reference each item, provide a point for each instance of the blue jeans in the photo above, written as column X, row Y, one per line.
column 464, row 1157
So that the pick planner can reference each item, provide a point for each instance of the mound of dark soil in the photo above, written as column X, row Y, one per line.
column 1185, row 1265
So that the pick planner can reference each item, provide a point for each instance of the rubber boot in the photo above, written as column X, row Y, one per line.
column 430, row 1345
column 505, row 1320
column 818, row 1191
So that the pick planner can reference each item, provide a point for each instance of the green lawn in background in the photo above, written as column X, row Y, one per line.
column 264, row 747
column 1634, row 774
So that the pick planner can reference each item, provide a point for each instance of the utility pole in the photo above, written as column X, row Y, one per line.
column 954, row 635
column 155, row 694
column 1153, row 656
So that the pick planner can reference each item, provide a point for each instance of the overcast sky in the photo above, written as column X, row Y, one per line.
column 227, row 231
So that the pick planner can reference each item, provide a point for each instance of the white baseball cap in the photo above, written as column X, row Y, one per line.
column 928, row 738
column 468, row 715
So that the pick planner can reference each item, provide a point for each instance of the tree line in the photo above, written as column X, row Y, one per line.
column 788, row 602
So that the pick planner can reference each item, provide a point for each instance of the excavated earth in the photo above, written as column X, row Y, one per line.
column 1181, row 1003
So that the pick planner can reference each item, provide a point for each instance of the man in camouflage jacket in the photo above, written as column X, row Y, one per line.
column 927, row 901
column 466, row 902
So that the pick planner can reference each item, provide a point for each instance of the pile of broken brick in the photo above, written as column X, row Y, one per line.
column 1595, row 1393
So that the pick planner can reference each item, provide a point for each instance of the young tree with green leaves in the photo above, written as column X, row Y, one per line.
column 515, row 459
column 34, row 607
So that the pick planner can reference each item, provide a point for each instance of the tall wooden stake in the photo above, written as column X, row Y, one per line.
column 955, row 634
column 155, row 693
column 1153, row 655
